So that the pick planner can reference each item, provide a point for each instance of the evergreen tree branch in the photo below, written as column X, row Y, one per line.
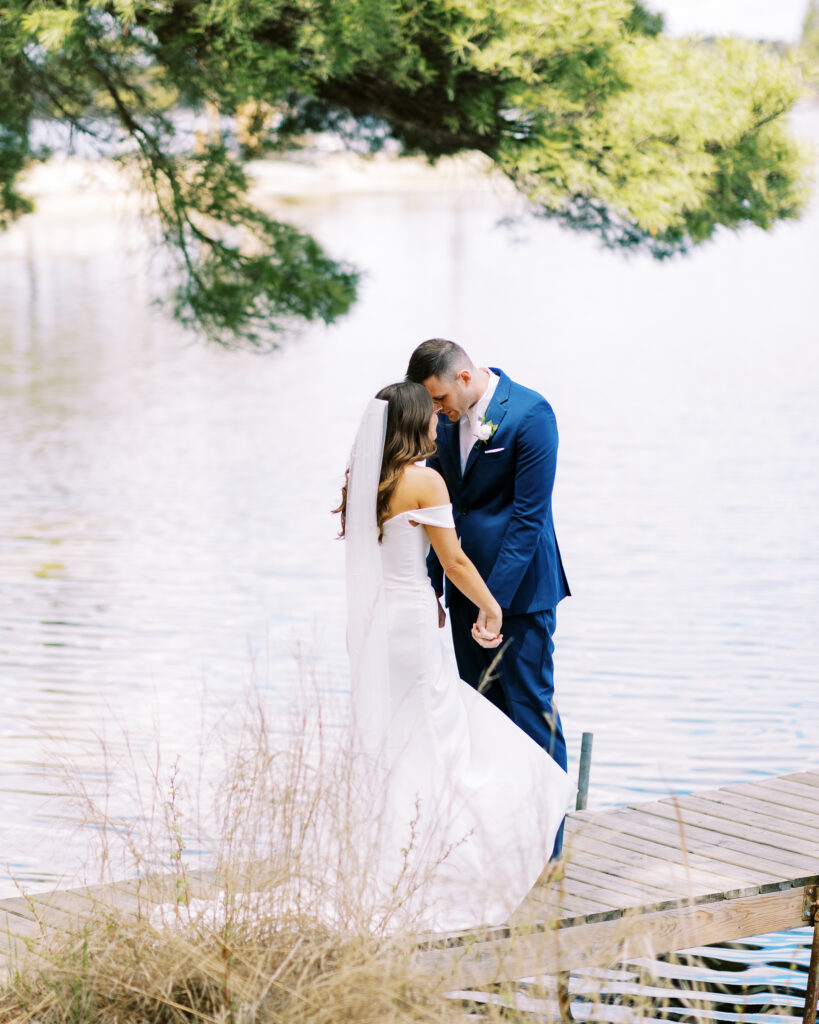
column 599, row 120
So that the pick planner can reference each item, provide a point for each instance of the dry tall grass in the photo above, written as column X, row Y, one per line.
column 118, row 968
column 287, row 923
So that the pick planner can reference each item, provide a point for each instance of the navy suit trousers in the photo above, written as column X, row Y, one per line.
column 522, row 684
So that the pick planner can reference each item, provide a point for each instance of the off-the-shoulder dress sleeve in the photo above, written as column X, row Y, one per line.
column 434, row 515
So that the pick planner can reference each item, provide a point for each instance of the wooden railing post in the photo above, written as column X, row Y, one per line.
column 585, row 770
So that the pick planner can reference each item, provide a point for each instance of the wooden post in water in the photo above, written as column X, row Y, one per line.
column 812, row 990
column 585, row 770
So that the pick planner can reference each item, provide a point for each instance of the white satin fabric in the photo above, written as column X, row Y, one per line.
column 366, row 608
column 472, row 798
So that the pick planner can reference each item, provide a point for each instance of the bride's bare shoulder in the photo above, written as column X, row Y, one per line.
column 427, row 486
column 418, row 487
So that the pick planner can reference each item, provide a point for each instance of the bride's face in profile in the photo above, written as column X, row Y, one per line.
column 433, row 426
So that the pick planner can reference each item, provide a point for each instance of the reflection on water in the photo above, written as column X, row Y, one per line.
column 761, row 981
column 164, row 527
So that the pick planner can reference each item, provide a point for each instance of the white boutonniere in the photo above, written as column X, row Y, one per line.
column 485, row 430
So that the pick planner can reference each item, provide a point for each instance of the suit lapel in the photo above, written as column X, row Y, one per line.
column 495, row 411
column 449, row 449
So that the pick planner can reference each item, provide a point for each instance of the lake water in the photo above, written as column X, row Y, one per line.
column 165, row 539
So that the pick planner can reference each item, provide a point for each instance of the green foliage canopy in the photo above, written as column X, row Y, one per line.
column 597, row 118
column 810, row 42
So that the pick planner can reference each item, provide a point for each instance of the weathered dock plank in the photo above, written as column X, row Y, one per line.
column 714, row 872
column 807, row 778
column 750, row 851
column 23, row 920
column 630, row 936
column 554, row 903
column 782, row 797
column 678, row 879
column 787, row 849
column 776, row 819
column 667, row 833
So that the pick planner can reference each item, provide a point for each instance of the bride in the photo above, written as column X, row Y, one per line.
column 470, row 804
column 449, row 811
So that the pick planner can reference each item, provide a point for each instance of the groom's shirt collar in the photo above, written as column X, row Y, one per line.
column 468, row 423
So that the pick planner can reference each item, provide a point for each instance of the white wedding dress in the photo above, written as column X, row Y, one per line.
column 473, row 804
column 449, row 812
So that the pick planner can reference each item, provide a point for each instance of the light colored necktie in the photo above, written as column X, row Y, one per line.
column 467, row 439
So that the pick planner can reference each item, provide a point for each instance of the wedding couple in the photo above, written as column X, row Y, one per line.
column 448, row 494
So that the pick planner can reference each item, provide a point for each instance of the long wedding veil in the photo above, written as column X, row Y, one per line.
column 366, row 604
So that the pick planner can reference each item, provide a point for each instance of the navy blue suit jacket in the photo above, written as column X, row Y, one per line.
column 502, row 502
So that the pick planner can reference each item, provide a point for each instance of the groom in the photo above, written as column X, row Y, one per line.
column 497, row 450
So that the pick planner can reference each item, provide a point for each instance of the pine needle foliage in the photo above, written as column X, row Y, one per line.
column 600, row 121
column 809, row 48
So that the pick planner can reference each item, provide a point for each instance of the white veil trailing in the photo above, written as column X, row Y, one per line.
column 366, row 603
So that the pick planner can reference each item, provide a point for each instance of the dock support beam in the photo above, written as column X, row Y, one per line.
column 812, row 991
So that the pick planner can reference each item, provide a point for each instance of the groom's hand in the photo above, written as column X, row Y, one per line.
column 441, row 615
column 485, row 639
column 486, row 630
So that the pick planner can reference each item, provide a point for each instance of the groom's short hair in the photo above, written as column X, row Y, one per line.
column 436, row 357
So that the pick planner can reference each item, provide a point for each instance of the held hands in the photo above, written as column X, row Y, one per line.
column 486, row 630
column 441, row 615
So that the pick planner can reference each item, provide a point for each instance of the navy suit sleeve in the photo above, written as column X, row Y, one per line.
column 434, row 570
column 534, row 480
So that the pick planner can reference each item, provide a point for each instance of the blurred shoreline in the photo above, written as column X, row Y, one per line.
column 69, row 187
column 66, row 187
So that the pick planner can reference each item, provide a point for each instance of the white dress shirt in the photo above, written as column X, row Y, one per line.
column 468, row 423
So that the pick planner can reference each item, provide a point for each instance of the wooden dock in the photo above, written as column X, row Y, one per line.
column 658, row 877
column 638, row 881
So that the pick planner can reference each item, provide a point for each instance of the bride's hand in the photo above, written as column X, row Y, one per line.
column 487, row 628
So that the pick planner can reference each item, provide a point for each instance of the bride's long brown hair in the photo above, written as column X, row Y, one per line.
column 409, row 410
